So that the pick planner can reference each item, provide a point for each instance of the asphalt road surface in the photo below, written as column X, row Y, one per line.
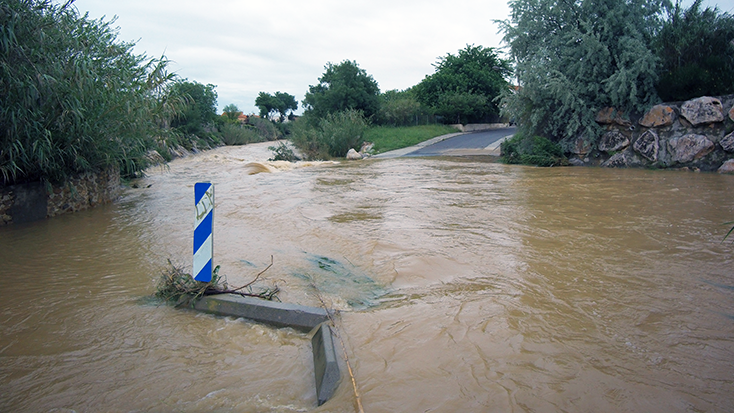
column 467, row 143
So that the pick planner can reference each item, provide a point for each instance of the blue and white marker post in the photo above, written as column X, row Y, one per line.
column 203, row 231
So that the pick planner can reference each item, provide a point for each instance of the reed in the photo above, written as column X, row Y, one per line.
column 75, row 99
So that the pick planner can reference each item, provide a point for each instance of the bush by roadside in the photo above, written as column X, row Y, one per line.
column 532, row 150
column 333, row 136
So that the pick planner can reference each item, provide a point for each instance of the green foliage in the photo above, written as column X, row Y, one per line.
column 200, row 111
column 276, row 107
column 74, row 99
column 232, row 112
column 697, row 54
column 283, row 152
column 235, row 134
column 464, row 86
column 388, row 138
column 332, row 137
column 265, row 128
column 575, row 57
column 342, row 87
column 400, row 108
column 532, row 150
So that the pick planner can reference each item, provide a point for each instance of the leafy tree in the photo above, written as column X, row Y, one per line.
column 74, row 99
column 200, row 110
column 276, row 106
column 464, row 86
column 232, row 112
column 574, row 57
column 399, row 108
column 696, row 49
column 342, row 87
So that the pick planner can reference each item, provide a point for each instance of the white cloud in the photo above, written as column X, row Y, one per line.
column 245, row 47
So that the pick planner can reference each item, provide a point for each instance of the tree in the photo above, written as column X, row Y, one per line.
column 342, row 87
column 276, row 106
column 574, row 57
column 201, row 106
column 696, row 52
column 232, row 112
column 399, row 108
column 74, row 99
column 464, row 86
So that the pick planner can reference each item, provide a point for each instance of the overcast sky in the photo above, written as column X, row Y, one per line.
column 245, row 46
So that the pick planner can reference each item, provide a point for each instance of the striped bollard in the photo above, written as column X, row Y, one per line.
column 203, row 231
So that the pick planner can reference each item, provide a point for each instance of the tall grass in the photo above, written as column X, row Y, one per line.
column 74, row 99
column 233, row 134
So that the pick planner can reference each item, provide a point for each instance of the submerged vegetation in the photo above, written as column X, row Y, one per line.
column 179, row 288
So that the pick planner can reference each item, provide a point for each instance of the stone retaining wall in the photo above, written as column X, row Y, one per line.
column 33, row 201
column 696, row 135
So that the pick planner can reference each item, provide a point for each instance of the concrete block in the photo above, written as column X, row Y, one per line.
column 326, row 368
column 277, row 314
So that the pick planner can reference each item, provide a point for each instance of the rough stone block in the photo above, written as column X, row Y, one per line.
column 728, row 142
column 326, row 368
column 701, row 110
column 613, row 141
column 277, row 314
column 727, row 167
column 648, row 145
column 690, row 147
column 659, row 115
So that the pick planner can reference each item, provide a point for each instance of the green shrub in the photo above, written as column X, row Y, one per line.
column 696, row 53
column 283, row 152
column 532, row 150
column 343, row 131
column 266, row 129
column 306, row 138
column 332, row 137
column 235, row 134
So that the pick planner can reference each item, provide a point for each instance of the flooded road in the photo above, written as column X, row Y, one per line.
column 463, row 285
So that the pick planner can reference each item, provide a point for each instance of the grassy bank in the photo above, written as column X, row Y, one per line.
column 388, row 138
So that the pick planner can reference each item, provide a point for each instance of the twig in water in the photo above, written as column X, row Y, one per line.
column 257, row 276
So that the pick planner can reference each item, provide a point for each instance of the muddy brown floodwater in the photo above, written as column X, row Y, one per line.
column 463, row 285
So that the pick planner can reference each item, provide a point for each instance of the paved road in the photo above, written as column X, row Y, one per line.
column 457, row 144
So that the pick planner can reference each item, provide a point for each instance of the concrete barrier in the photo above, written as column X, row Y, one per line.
column 277, row 314
column 326, row 368
column 303, row 318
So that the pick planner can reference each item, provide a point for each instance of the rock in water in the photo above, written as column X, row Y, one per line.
column 727, row 167
column 353, row 155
